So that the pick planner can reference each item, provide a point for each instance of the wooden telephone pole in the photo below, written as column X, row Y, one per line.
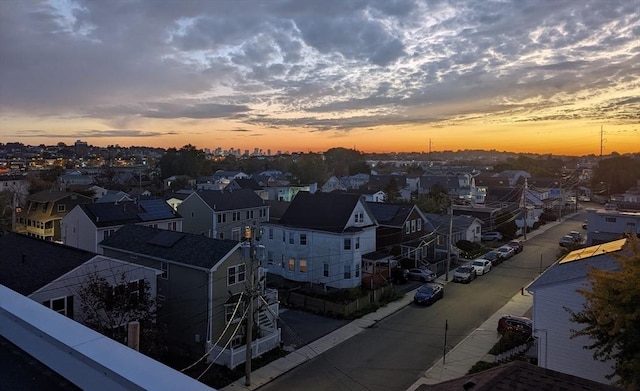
column 252, row 294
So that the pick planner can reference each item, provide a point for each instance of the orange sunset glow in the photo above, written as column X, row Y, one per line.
column 376, row 77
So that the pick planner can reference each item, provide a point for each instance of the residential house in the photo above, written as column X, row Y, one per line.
column 604, row 225
column 15, row 184
column 248, row 183
column 368, row 195
column 513, row 177
column 42, row 218
column 53, row 274
column 88, row 224
column 175, row 198
column 486, row 214
column 332, row 184
column 110, row 196
column 178, row 180
column 390, row 182
column 202, row 291
column 356, row 181
column 288, row 192
column 554, row 293
column 456, row 227
column 225, row 214
column 405, row 232
column 321, row 238
column 74, row 179
column 455, row 185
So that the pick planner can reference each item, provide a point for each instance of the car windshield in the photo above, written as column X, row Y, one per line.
column 426, row 289
column 478, row 263
column 464, row 269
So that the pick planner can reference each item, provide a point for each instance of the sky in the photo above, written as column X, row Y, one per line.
column 558, row 77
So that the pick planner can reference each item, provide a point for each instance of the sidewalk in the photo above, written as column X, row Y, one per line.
column 458, row 360
column 474, row 347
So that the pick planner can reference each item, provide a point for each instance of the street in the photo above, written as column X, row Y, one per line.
column 397, row 350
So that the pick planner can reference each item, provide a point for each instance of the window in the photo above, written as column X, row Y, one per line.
column 62, row 207
column 283, row 236
column 61, row 305
column 359, row 217
column 193, row 214
column 303, row 239
column 270, row 233
column 108, row 233
column 407, row 229
column 222, row 217
column 413, row 226
column 347, row 272
column 236, row 274
column 325, row 270
column 282, row 264
column 610, row 219
column 235, row 216
column 303, row 265
column 419, row 224
column 235, row 234
column 292, row 264
column 164, row 266
column 229, row 308
column 291, row 238
column 357, row 243
column 347, row 244
column 357, row 270
column 269, row 257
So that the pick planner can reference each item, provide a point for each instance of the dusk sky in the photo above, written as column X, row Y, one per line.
column 308, row 75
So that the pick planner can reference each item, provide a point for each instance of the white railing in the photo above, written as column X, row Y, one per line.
column 232, row 357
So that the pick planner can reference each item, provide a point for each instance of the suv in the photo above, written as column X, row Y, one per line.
column 491, row 236
column 518, row 324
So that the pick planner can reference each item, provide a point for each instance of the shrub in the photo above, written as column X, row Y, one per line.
column 509, row 340
column 482, row 366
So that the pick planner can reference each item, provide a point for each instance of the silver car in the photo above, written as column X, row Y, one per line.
column 424, row 275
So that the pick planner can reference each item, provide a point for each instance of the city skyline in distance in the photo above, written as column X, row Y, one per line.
column 309, row 76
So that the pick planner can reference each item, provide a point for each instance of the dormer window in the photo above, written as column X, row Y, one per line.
column 359, row 217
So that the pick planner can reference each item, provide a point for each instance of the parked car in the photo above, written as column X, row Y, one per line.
column 424, row 275
column 464, row 273
column 566, row 241
column 482, row 266
column 506, row 251
column 577, row 236
column 494, row 256
column 516, row 244
column 428, row 294
column 492, row 236
column 518, row 324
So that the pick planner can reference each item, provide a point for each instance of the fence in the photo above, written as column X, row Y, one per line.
column 322, row 306
column 232, row 357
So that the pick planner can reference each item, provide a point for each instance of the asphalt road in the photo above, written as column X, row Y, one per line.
column 396, row 351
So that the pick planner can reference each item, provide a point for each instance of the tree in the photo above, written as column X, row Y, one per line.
column 617, row 174
column 611, row 315
column 437, row 201
column 108, row 309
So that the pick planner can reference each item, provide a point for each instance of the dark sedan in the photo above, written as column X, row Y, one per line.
column 428, row 294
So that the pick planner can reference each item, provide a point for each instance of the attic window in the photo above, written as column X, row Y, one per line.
column 359, row 217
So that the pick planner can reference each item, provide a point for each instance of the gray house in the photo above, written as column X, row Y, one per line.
column 224, row 214
column 202, row 291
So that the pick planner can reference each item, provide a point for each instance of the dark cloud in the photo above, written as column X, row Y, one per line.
column 93, row 133
column 391, row 60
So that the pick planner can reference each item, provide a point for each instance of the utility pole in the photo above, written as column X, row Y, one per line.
column 444, row 348
column 252, row 288
column 449, row 241
column 524, row 208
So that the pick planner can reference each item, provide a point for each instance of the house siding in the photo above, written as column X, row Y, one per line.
column 552, row 327
column 321, row 248
column 198, row 217
column 70, row 283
